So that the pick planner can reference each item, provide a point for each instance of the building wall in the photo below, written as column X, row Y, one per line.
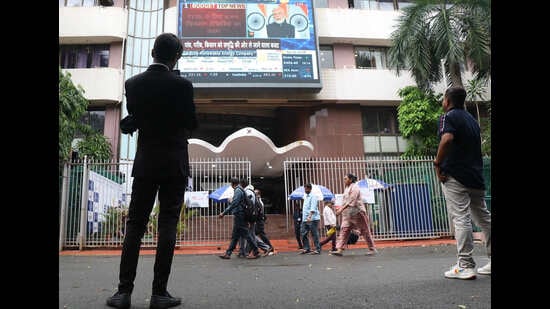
column 343, row 56
column 111, row 129
column 115, row 55
column 338, row 4
column 119, row 3
column 291, row 124
column 334, row 130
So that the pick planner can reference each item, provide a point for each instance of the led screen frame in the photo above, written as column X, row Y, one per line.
column 249, row 44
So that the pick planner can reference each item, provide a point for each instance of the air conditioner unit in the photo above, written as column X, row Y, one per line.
column 106, row 2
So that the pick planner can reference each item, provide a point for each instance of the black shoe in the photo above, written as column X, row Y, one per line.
column 119, row 300
column 164, row 301
column 225, row 256
column 304, row 251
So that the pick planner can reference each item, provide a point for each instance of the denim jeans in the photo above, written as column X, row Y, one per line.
column 306, row 228
column 464, row 205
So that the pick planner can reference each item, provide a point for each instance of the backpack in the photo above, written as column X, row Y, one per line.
column 251, row 209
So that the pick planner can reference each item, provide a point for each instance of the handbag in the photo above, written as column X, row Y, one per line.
column 331, row 231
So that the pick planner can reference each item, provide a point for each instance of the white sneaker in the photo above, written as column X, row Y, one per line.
column 457, row 272
column 485, row 270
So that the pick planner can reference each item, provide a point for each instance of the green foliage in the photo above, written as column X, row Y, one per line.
column 95, row 146
column 431, row 31
column 185, row 214
column 418, row 116
column 486, row 135
column 72, row 105
column 476, row 90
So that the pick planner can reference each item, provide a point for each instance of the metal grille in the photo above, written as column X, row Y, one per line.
column 413, row 207
column 105, row 197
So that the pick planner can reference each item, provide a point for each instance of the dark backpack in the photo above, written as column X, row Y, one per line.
column 251, row 209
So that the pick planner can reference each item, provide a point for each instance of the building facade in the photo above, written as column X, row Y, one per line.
column 103, row 43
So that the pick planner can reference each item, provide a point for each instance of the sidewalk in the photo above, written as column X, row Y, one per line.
column 280, row 245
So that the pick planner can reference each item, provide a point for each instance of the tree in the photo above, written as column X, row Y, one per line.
column 449, row 33
column 418, row 116
column 475, row 90
column 95, row 146
column 72, row 106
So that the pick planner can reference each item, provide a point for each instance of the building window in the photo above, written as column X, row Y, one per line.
column 326, row 56
column 370, row 57
column 379, row 121
column 320, row 3
column 84, row 56
column 77, row 3
column 95, row 118
column 381, row 131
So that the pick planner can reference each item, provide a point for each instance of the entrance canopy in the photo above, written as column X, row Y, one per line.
column 266, row 159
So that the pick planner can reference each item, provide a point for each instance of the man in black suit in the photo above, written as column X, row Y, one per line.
column 280, row 28
column 163, row 109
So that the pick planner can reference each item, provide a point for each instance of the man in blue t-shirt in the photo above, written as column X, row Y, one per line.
column 459, row 165
column 310, row 221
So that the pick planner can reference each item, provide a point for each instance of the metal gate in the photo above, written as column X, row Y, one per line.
column 105, row 196
column 412, row 207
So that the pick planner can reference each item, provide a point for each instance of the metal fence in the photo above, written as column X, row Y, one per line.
column 105, row 197
column 412, row 207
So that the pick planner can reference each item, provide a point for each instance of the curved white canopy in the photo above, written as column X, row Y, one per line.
column 266, row 158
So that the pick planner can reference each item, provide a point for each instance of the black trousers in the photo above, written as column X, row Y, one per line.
column 260, row 232
column 240, row 229
column 297, row 233
column 171, row 194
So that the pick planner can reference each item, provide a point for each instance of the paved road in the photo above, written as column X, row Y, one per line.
column 406, row 277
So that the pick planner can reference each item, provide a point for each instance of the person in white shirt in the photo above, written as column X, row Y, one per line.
column 329, row 219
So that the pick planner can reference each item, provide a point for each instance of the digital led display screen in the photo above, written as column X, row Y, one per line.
column 248, row 43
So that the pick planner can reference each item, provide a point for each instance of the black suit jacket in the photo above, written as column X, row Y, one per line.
column 164, row 112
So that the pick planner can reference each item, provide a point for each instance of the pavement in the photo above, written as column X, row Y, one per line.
column 280, row 245
column 404, row 274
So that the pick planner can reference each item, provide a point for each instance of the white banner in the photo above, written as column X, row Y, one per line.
column 367, row 195
column 102, row 194
column 194, row 199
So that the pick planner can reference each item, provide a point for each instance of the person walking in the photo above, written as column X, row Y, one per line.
column 354, row 216
column 459, row 167
column 310, row 222
column 297, row 219
column 260, row 224
column 240, row 226
column 329, row 219
column 162, row 107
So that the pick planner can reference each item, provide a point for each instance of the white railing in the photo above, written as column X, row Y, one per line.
column 105, row 198
column 412, row 207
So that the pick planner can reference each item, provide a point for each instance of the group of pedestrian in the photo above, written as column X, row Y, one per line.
column 353, row 214
column 250, row 234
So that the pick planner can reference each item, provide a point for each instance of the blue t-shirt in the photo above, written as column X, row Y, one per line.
column 464, row 161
